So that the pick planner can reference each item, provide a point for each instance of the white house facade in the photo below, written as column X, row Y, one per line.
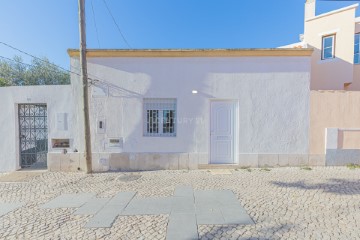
column 184, row 108
column 188, row 109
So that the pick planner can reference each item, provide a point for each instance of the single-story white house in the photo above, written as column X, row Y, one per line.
column 175, row 109
column 187, row 108
column 167, row 109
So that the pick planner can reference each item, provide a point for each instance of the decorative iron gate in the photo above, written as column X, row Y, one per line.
column 33, row 135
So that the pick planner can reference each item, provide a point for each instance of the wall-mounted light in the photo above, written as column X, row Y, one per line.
column 194, row 91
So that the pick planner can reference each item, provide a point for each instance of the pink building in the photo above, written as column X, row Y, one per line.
column 335, row 38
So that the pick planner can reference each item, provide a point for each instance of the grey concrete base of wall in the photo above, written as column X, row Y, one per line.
column 342, row 157
column 70, row 162
column 102, row 162
column 156, row 161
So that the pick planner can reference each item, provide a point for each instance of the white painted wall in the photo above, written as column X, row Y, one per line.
column 59, row 99
column 273, row 96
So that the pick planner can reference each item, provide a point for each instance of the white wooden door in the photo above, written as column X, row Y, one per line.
column 222, row 135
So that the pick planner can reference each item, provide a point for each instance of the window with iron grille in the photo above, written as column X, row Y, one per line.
column 160, row 117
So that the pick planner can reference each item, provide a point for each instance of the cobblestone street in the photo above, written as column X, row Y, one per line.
column 284, row 203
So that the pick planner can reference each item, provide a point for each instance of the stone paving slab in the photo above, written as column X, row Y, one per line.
column 183, row 205
column 215, row 196
column 73, row 200
column 182, row 226
column 107, row 215
column 213, row 217
column 92, row 206
column 148, row 206
column 5, row 208
column 184, row 191
column 121, row 199
column 219, row 207
column 103, row 219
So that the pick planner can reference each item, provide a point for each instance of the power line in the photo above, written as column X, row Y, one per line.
column 40, row 59
column 53, row 64
column 92, row 80
column 26, row 64
column 97, row 34
column 30, row 55
column 118, row 28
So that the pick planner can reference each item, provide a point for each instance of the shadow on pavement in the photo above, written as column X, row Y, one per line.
column 336, row 186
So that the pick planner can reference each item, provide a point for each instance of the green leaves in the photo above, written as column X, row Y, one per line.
column 39, row 72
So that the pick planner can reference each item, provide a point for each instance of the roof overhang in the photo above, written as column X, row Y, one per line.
column 178, row 53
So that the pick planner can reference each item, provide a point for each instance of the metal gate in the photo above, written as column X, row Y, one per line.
column 33, row 135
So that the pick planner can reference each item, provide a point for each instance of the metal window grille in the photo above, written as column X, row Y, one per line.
column 160, row 117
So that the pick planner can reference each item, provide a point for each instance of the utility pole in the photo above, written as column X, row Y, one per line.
column 83, row 63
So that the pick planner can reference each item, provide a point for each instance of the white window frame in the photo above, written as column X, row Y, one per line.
column 357, row 34
column 333, row 36
column 160, row 105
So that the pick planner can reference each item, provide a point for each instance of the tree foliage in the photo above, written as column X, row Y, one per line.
column 39, row 72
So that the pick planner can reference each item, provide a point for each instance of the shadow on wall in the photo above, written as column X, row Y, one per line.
column 253, row 82
column 127, row 83
column 332, row 74
column 167, row 81
column 115, row 90
column 335, row 186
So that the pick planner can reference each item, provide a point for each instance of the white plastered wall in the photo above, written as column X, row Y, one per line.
column 58, row 100
column 272, row 92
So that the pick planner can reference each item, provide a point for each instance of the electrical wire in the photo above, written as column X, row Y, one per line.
column 118, row 28
column 53, row 64
column 91, row 80
column 26, row 64
column 97, row 33
column 40, row 59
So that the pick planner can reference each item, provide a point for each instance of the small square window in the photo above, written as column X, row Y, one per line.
column 159, row 117
column 328, row 47
column 357, row 49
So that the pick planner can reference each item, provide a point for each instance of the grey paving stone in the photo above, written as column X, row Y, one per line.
column 205, row 207
column 182, row 227
column 214, row 217
column 107, row 215
column 235, row 214
column 184, row 191
column 92, row 206
column 219, row 207
column 183, row 205
column 74, row 200
column 104, row 218
column 226, row 197
column 121, row 199
column 5, row 208
column 149, row 206
column 221, row 196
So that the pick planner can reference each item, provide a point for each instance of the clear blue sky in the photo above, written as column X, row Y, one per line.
column 49, row 27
